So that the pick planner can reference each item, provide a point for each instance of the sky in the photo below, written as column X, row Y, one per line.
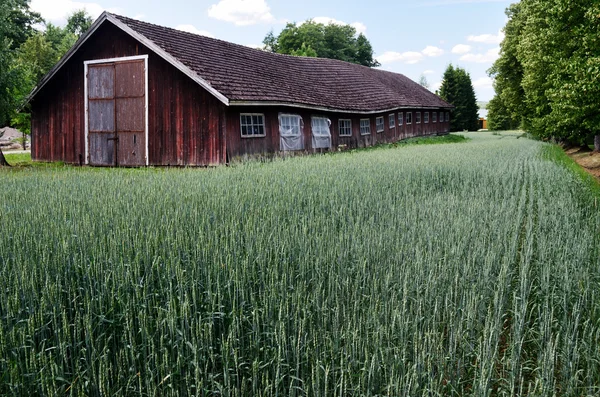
column 412, row 37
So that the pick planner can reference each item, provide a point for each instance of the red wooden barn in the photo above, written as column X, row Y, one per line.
column 130, row 93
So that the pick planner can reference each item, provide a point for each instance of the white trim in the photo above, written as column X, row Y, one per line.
column 382, row 118
column 169, row 58
column 85, row 91
column 142, row 39
column 263, row 124
column 411, row 118
column 147, row 111
column 345, row 135
column 392, row 116
column 360, row 127
column 325, row 109
column 87, row 127
column 300, row 122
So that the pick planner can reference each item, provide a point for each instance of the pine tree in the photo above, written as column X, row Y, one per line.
column 457, row 89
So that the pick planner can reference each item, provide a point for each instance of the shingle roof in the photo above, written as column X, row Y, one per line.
column 243, row 74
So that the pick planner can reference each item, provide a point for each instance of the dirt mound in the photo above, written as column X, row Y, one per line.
column 590, row 161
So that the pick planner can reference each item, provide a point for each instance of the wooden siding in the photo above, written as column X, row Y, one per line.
column 238, row 146
column 185, row 121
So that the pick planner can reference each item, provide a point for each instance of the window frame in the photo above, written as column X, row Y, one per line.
column 392, row 120
column 417, row 117
column 409, row 118
column 434, row 117
column 377, row 125
column 297, row 116
column 368, row 125
column 340, row 127
column 400, row 118
column 447, row 116
column 264, row 127
column 425, row 117
column 327, row 120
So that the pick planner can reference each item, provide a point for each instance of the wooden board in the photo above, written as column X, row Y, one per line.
column 117, row 113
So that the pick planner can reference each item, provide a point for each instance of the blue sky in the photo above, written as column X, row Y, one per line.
column 418, row 37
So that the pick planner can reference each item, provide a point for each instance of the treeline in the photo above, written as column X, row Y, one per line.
column 547, row 79
column 312, row 39
column 29, row 48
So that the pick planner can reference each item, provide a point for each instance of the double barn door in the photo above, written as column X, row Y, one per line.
column 116, row 112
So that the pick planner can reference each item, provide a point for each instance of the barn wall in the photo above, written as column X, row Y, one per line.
column 185, row 121
column 269, row 144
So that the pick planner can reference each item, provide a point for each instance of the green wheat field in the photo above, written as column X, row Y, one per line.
column 465, row 269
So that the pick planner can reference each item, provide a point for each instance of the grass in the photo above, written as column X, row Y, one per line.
column 23, row 160
column 458, row 269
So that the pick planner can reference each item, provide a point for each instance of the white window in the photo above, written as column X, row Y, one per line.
column 434, row 117
column 426, row 117
column 408, row 117
column 365, row 126
column 290, row 132
column 418, row 117
column 321, row 135
column 380, row 126
column 392, row 120
column 252, row 125
column 345, row 127
column 400, row 118
column 447, row 116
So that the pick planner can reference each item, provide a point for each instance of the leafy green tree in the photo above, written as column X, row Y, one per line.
column 79, row 22
column 507, row 72
column 457, row 89
column 548, row 72
column 499, row 117
column 305, row 51
column 20, row 21
column 324, row 41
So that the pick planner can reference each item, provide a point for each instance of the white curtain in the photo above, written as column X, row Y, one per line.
column 290, row 132
column 321, row 135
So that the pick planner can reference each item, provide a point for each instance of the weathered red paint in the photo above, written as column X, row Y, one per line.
column 187, row 124
column 238, row 146
column 184, row 119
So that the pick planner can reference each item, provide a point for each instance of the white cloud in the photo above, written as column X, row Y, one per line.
column 461, row 49
column 410, row 57
column 436, row 86
column 483, row 82
column 432, row 51
column 489, row 57
column 57, row 11
column 487, row 38
column 193, row 29
column 428, row 72
column 359, row 26
column 242, row 12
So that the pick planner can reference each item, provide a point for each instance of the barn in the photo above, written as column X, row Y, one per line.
column 131, row 93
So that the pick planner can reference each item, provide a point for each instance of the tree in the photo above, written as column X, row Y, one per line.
column 499, row 117
column 548, row 73
column 423, row 82
column 324, row 41
column 457, row 89
column 79, row 22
